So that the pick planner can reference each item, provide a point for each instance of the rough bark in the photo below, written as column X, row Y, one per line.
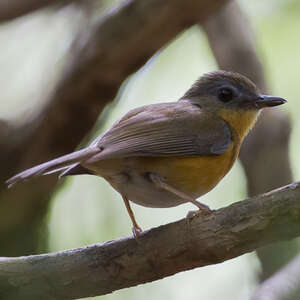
column 265, row 153
column 186, row 244
column 101, row 58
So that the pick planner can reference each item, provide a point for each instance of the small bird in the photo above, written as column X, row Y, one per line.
column 167, row 154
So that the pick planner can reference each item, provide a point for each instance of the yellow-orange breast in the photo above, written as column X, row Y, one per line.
column 198, row 175
column 192, row 175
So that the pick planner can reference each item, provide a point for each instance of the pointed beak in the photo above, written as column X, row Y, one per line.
column 268, row 101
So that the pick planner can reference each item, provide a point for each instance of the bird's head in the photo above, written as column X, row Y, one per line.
column 228, row 90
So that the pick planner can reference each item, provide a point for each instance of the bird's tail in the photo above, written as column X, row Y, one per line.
column 54, row 165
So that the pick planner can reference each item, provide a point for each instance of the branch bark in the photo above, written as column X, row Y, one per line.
column 11, row 9
column 109, row 51
column 186, row 244
column 265, row 152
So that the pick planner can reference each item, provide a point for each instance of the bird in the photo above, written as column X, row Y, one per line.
column 167, row 154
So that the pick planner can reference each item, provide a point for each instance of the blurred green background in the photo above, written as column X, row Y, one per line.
column 86, row 209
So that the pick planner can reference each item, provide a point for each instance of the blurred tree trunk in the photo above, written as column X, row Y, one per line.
column 265, row 152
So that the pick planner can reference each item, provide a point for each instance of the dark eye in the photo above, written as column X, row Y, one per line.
column 225, row 94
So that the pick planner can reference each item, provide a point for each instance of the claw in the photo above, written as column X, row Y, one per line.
column 201, row 212
column 137, row 231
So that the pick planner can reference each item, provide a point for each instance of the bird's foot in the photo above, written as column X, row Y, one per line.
column 137, row 231
column 203, row 211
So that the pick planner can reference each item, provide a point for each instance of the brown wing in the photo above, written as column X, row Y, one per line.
column 165, row 129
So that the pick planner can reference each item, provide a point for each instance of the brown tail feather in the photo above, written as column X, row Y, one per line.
column 52, row 165
column 76, row 169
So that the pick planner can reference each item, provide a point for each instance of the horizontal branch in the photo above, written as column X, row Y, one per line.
column 189, row 243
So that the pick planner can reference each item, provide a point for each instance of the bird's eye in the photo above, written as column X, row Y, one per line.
column 225, row 94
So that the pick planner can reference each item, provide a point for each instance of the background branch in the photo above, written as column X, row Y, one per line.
column 283, row 285
column 186, row 244
column 233, row 44
column 11, row 9
column 110, row 50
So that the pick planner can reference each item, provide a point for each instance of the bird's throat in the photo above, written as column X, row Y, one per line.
column 240, row 121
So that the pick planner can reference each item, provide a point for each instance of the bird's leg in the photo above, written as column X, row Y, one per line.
column 159, row 182
column 136, row 229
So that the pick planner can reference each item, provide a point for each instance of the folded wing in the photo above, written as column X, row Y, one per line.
column 165, row 129
column 169, row 129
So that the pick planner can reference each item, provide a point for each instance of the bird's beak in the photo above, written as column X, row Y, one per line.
column 267, row 101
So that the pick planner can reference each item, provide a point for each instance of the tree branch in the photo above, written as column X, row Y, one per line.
column 283, row 285
column 11, row 9
column 189, row 243
column 109, row 51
